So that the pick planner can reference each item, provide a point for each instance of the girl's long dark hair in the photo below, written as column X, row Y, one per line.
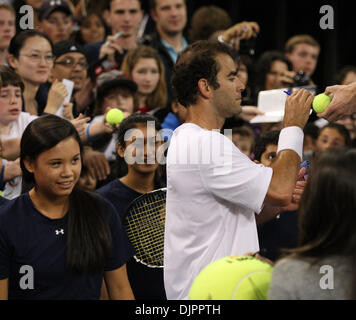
column 89, row 237
column 327, row 212
column 129, row 123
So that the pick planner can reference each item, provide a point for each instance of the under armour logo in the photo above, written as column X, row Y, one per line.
column 57, row 2
column 73, row 48
column 59, row 231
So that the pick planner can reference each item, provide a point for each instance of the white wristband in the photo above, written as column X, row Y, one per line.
column 291, row 138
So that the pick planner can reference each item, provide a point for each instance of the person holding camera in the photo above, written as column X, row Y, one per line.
column 303, row 52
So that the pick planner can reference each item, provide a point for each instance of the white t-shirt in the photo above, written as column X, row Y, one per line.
column 211, row 201
column 13, row 187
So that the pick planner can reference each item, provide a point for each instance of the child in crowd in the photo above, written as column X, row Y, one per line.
column 134, row 180
column 56, row 20
column 115, row 90
column 69, row 239
column 12, row 124
column 330, row 136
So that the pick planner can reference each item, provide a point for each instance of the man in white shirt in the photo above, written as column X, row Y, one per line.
column 214, row 190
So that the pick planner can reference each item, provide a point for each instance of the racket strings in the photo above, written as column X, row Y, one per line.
column 145, row 228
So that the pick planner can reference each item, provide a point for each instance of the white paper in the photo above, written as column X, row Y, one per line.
column 69, row 85
column 272, row 103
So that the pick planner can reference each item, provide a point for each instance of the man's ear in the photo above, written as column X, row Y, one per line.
column 120, row 150
column 174, row 106
column 204, row 88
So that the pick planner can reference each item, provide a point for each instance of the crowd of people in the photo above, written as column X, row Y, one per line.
column 66, row 181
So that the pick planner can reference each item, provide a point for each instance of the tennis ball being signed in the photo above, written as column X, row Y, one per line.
column 321, row 102
column 114, row 117
column 233, row 278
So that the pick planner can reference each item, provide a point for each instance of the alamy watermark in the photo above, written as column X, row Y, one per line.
column 28, row 278
column 327, row 280
column 212, row 148
column 327, row 20
column 27, row 20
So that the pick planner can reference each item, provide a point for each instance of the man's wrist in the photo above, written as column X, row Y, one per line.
column 291, row 138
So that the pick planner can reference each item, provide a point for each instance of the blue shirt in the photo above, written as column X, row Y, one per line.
column 173, row 54
column 169, row 124
column 146, row 283
column 29, row 238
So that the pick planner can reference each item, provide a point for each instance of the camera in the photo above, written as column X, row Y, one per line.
column 301, row 79
column 247, row 47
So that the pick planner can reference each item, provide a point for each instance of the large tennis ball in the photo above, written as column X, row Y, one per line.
column 114, row 117
column 233, row 278
column 321, row 102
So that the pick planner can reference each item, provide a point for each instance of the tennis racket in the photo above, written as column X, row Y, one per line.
column 144, row 223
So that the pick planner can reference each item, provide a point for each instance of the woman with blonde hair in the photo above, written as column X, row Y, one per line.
column 144, row 65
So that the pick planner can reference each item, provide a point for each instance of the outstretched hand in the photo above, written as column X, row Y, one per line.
column 343, row 102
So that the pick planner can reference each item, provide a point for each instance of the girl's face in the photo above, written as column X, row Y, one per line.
column 141, row 149
column 10, row 104
column 35, row 60
column 57, row 170
column 273, row 77
column 146, row 75
column 92, row 29
column 329, row 138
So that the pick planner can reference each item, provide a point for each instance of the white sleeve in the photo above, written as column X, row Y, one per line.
column 232, row 176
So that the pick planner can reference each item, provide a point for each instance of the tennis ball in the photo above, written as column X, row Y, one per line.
column 321, row 102
column 114, row 117
column 233, row 278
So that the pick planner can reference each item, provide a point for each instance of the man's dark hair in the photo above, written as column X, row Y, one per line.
column 264, row 141
column 198, row 61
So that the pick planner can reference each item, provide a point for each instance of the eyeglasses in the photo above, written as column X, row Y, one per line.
column 37, row 58
column 71, row 63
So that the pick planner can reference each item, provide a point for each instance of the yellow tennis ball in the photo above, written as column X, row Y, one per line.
column 114, row 117
column 321, row 102
column 233, row 278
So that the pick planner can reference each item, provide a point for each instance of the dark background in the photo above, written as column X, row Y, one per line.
column 281, row 19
